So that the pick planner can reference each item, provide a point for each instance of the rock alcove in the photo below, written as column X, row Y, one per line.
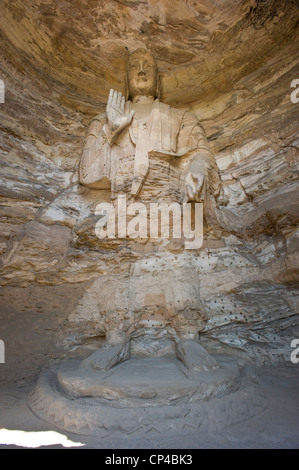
column 232, row 64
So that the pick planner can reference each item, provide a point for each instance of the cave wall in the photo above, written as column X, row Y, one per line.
column 232, row 64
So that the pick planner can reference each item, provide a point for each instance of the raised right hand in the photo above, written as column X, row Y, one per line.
column 116, row 116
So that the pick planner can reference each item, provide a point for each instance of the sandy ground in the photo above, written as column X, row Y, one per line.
column 276, row 428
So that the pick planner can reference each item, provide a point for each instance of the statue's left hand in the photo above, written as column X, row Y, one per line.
column 194, row 184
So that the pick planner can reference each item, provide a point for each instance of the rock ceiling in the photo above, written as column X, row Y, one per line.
column 79, row 47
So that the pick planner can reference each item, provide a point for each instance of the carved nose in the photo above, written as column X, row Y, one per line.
column 141, row 69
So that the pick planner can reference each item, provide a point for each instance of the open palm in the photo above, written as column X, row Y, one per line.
column 115, row 111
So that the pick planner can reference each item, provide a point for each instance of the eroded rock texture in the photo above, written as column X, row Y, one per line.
column 232, row 64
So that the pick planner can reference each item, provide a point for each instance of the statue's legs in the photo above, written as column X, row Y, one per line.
column 194, row 356
column 115, row 350
column 118, row 349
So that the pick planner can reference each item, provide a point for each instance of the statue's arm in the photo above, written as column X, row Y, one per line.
column 202, row 174
column 94, row 167
column 94, row 163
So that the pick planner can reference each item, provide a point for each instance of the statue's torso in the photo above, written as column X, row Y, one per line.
column 160, row 127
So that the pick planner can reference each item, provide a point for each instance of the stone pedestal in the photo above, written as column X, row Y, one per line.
column 148, row 394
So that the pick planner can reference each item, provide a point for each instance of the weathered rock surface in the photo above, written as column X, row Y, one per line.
column 232, row 64
column 123, row 402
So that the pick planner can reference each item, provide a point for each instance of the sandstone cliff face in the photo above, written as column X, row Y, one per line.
column 232, row 64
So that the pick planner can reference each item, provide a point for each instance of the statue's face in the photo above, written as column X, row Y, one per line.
column 142, row 75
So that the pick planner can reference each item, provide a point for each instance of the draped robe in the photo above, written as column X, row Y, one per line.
column 165, row 131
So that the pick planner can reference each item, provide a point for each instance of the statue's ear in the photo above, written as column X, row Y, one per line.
column 126, row 87
column 158, row 89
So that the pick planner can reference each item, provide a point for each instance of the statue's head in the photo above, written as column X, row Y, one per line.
column 142, row 75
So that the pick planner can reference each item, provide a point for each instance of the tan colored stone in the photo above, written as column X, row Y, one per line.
column 231, row 64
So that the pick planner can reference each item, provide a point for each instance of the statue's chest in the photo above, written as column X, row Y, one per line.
column 149, row 133
column 163, row 180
